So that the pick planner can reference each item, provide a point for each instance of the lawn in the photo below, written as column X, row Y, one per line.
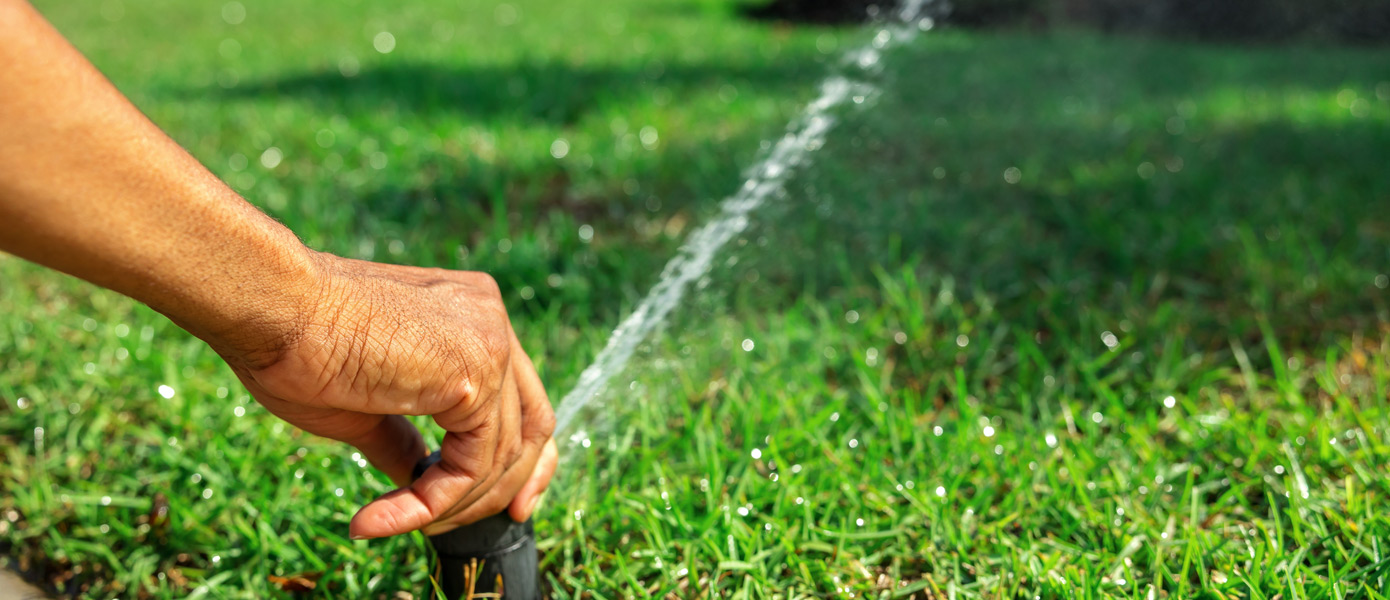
column 1051, row 315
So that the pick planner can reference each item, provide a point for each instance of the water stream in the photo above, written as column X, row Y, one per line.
column 766, row 181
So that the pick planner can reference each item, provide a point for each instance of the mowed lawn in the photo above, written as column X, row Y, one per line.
column 1058, row 316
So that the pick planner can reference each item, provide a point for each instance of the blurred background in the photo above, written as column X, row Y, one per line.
column 1243, row 20
column 1077, row 299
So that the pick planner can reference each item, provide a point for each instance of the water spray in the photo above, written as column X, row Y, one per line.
column 496, row 557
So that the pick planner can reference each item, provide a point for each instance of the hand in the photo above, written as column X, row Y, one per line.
column 341, row 348
column 382, row 341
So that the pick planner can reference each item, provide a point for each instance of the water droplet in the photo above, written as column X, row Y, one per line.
column 989, row 431
column 239, row 411
column 757, row 454
column 586, row 233
column 348, row 66
column 271, row 157
column 233, row 13
column 962, row 340
column 852, row 316
column 747, row 345
column 229, row 48
column 166, row 391
column 1170, row 402
column 106, row 501
column 207, row 493
column 940, row 491
column 384, row 42
column 854, row 443
column 559, row 148
column 1051, row 440
column 506, row 14
column 938, row 430
column 1097, row 417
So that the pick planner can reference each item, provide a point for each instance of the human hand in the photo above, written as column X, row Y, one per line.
column 380, row 341
column 341, row 348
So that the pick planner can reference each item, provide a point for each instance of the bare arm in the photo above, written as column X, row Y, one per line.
column 91, row 187
column 341, row 348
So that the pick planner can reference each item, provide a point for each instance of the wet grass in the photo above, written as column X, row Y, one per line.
column 1149, row 361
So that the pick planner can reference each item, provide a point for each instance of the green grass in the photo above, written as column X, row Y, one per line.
column 960, row 378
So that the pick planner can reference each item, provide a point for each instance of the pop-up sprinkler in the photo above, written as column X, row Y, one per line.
column 493, row 558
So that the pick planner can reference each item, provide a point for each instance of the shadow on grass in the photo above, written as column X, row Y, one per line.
column 1060, row 175
column 443, row 201
column 553, row 92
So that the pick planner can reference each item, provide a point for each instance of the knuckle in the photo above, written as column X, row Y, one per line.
column 544, row 421
column 511, row 452
column 487, row 284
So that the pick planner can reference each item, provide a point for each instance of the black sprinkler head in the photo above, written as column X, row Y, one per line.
column 493, row 556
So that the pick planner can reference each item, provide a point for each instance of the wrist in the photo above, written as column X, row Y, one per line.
column 255, row 319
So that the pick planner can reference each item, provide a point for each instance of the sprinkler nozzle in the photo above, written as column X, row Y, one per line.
column 493, row 556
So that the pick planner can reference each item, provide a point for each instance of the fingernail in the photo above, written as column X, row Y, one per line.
column 357, row 536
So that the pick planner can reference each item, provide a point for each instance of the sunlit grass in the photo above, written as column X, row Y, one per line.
column 1113, row 373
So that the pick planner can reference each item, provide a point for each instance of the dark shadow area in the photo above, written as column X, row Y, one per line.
column 1061, row 176
column 811, row 11
column 439, row 202
column 435, row 203
column 1355, row 21
column 553, row 92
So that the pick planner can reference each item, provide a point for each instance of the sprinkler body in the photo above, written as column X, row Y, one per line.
column 495, row 555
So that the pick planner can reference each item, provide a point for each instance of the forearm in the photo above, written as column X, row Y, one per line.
column 91, row 187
